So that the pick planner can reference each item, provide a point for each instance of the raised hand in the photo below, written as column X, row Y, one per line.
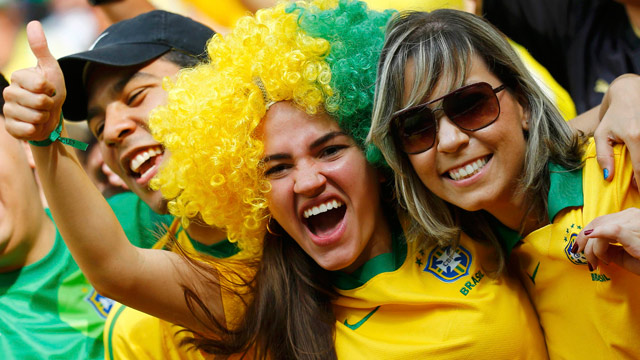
column 33, row 101
column 612, row 238
column 620, row 123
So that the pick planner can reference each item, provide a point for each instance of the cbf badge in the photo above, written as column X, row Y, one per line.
column 101, row 304
column 449, row 264
column 578, row 259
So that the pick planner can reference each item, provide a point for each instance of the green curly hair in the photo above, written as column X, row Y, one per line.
column 321, row 55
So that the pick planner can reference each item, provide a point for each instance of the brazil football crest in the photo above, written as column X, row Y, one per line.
column 578, row 259
column 449, row 264
column 101, row 304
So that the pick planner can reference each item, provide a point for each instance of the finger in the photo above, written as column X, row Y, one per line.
column 20, row 130
column 592, row 260
column 633, row 146
column 40, row 48
column 32, row 80
column 604, row 151
column 600, row 249
column 25, row 98
column 23, row 114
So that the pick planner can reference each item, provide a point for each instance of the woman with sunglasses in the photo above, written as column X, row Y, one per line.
column 477, row 147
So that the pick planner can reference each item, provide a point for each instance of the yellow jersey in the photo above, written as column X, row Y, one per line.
column 131, row 334
column 440, row 303
column 584, row 314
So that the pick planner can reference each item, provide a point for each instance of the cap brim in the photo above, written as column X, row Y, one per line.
column 119, row 55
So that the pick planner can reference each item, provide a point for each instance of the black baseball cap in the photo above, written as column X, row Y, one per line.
column 128, row 43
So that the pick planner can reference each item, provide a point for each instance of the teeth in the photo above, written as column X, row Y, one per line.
column 468, row 170
column 329, row 205
column 137, row 161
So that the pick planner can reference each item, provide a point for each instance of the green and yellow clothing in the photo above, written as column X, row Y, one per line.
column 584, row 314
column 440, row 303
column 131, row 334
column 48, row 310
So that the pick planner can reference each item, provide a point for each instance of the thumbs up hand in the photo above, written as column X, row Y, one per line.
column 33, row 101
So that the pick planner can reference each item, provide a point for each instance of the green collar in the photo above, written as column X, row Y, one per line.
column 565, row 189
column 219, row 250
column 382, row 263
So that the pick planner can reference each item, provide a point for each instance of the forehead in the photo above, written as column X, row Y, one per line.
column 104, row 77
column 285, row 124
column 452, row 76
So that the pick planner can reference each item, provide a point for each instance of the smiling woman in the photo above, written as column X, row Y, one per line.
column 504, row 166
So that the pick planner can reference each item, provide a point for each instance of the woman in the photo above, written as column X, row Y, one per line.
column 473, row 140
column 270, row 146
column 296, row 93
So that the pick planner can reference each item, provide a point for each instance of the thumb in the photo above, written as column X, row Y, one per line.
column 47, row 63
column 604, row 149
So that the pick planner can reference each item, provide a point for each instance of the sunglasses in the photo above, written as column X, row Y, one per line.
column 470, row 108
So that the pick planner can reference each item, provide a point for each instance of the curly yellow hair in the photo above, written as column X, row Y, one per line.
column 208, row 125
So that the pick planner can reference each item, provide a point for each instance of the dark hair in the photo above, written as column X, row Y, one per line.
column 180, row 58
column 3, row 84
column 290, row 315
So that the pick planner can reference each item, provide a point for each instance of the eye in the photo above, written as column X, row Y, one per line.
column 97, row 129
column 276, row 171
column 331, row 151
column 136, row 97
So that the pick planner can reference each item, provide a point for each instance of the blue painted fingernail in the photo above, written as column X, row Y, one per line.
column 606, row 173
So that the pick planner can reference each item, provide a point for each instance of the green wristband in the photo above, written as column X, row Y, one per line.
column 55, row 136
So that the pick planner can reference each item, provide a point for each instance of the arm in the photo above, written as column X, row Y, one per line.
column 148, row 280
column 616, row 120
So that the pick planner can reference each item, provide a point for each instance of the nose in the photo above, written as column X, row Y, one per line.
column 309, row 181
column 450, row 137
column 118, row 124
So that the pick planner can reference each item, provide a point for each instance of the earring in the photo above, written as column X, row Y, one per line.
column 269, row 226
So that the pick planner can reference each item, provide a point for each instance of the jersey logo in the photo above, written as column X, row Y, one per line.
column 449, row 264
column 364, row 319
column 578, row 259
column 101, row 304
column 535, row 272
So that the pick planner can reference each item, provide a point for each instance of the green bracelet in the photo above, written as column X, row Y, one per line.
column 55, row 136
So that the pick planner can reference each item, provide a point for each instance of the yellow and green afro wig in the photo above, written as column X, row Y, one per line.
column 321, row 55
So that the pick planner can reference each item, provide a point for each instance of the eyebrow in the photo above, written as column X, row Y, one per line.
column 118, row 87
column 315, row 144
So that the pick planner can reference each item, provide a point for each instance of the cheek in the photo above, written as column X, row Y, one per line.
column 424, row 166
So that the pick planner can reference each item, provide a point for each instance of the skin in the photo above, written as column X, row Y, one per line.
column 493, row 187
column 26, row 233
column 319, row 164
column 120, row 100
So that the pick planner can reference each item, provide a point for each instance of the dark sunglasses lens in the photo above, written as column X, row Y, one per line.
column 473, row 107
column 418, row 131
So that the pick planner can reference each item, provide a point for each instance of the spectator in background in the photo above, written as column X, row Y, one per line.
column 47, row 307
column 585, row 44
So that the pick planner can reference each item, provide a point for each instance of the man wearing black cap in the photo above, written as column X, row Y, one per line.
column 48, row 309
column 115, row 85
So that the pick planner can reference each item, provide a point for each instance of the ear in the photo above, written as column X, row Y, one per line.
column 27, row 151
column 524, row 116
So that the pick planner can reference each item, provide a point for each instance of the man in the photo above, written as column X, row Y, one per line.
column 114, row 86
column 47, row 307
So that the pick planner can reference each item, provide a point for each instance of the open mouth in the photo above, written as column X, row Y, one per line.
column 145, row 161
column 323, row 219
column 469, row 169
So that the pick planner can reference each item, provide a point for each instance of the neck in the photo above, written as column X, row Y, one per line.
column 34, row 246
column 633, row 12
column 205, row 234
column 514, row 216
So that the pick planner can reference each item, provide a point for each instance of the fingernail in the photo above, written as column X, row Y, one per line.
column 574, row 248
column 605, row 172
column 590, row 266
column 588, row 232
